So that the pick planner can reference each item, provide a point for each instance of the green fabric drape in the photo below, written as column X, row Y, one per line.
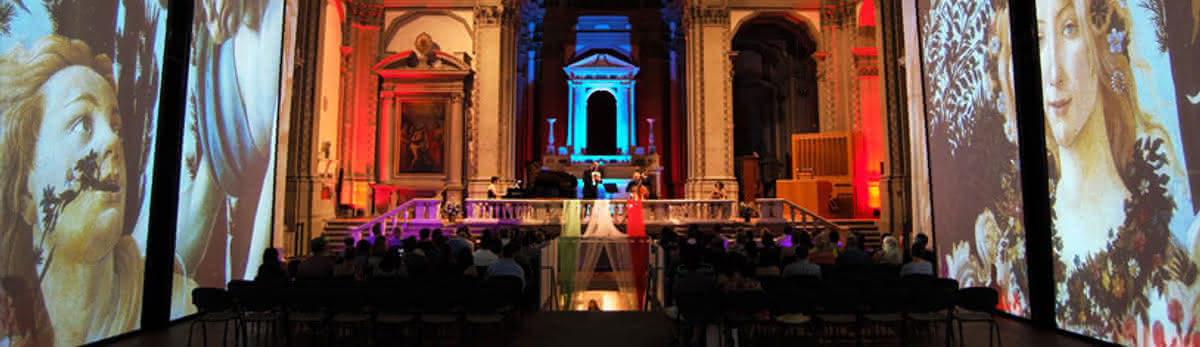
column 568, row 251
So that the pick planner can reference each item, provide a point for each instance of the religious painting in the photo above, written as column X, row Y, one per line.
column 420, row 138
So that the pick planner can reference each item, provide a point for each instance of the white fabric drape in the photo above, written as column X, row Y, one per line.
column 602, row 236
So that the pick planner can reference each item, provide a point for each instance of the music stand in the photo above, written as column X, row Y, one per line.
column 611, row 188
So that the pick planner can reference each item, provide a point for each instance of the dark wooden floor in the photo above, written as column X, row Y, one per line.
column 608, row 329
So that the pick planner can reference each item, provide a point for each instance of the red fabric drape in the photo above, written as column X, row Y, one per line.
column 636, row 230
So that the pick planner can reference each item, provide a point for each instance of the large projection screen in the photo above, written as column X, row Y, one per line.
column 1120, row 93
column 972, row 137
column 227, row 183
column 79, row 83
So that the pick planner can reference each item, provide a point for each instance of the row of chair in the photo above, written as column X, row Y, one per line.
column 355, row 313
column 838, row 311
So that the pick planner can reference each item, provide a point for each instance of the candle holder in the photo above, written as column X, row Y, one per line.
column 651, row 121
column 550, row 139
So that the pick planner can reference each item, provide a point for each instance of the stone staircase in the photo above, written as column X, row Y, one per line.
column 866, row 228
column 337, row 230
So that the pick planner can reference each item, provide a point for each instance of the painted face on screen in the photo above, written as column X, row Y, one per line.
column 1069, row 76
column 79, row 118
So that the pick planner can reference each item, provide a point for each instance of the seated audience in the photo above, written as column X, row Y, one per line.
column 486, row 255
column 853, row 254
column 414, row 258
column 461, row 241
column 271, row 272
column 801, row 266
column 390, row 266
column 919, row 265
column 768, row 256
column 825, row 251
column 318, row 266
column 507, row 266
column 891, row 252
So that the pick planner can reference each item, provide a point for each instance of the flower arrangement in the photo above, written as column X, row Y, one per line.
column 747, row 210
column 451, row 210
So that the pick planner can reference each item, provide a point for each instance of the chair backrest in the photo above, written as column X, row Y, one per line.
column 211, row 300
column 978, row 298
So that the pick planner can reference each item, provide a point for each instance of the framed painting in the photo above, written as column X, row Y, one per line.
column 420, row 138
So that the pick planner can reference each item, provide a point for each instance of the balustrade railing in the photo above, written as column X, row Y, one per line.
column 412, row 212
column 426, row 213
column 780, row 210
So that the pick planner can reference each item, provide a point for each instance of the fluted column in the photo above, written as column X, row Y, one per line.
column 709, row 117
column 360, row 44
column 492, row 132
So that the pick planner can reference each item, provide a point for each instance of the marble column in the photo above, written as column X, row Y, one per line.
column 709, row 84
column 492, row 132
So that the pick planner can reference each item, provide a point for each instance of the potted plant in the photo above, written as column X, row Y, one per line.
column 451, row 211
column 747, row 210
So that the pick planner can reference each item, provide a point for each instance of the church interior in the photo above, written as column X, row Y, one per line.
column 595, row 172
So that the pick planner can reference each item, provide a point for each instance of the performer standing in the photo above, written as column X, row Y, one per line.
column 591, row 182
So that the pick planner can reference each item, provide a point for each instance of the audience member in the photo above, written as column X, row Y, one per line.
column 271, row 272
column 824, row 252
column 919, row 265
column 853, row 253
column 507, row 266
column 414, row 258
column 801, row 266
column 486, row 255
column 318, row 266
column 891, row 252
column 769, row 256
column 461, row 241
column 390, row 266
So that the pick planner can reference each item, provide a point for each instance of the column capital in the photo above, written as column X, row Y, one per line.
column 704, row 15
column 367, row 13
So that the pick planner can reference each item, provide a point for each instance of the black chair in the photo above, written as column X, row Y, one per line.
column 214, row 305
column 884, row 316
column 742, row 315
column 792, row 310
column 838, row 314
column 394, row 313
column 978, row 304
column 306, row 315
column 259, row 311
column 698, row 301
column 931, row 304
column 350, row 319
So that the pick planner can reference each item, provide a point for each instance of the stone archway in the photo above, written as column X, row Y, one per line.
column 774, row 93
column 602, row 123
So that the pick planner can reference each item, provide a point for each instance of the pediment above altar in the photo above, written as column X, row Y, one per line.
column 601, row 65
column 412, row 64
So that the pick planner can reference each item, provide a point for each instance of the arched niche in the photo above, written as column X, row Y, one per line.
column 601, row 71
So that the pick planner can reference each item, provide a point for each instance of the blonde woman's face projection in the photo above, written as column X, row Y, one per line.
column 1069, row 78
column 79, row 118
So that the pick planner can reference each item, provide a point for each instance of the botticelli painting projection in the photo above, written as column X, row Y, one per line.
column 974, row 169
column 227, row 183
column 1120, row 93
column 79, row 84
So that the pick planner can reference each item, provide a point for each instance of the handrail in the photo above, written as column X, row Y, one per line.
column 423, row 210
column 792, row 213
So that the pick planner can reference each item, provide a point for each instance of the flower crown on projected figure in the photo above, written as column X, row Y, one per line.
column 1116, row 178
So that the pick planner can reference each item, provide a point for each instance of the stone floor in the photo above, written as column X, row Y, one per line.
column 606, row 329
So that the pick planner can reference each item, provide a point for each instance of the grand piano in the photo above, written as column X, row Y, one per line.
column 546, row 185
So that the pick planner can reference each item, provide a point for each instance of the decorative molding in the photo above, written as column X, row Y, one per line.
column 706, row 15
column 494, row 16
column 365, row 12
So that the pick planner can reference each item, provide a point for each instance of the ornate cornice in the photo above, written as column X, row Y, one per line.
column 706, row 15
column 365, row 12
column 486, row 16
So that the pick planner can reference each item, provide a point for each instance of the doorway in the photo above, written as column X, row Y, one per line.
column 601, row 124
